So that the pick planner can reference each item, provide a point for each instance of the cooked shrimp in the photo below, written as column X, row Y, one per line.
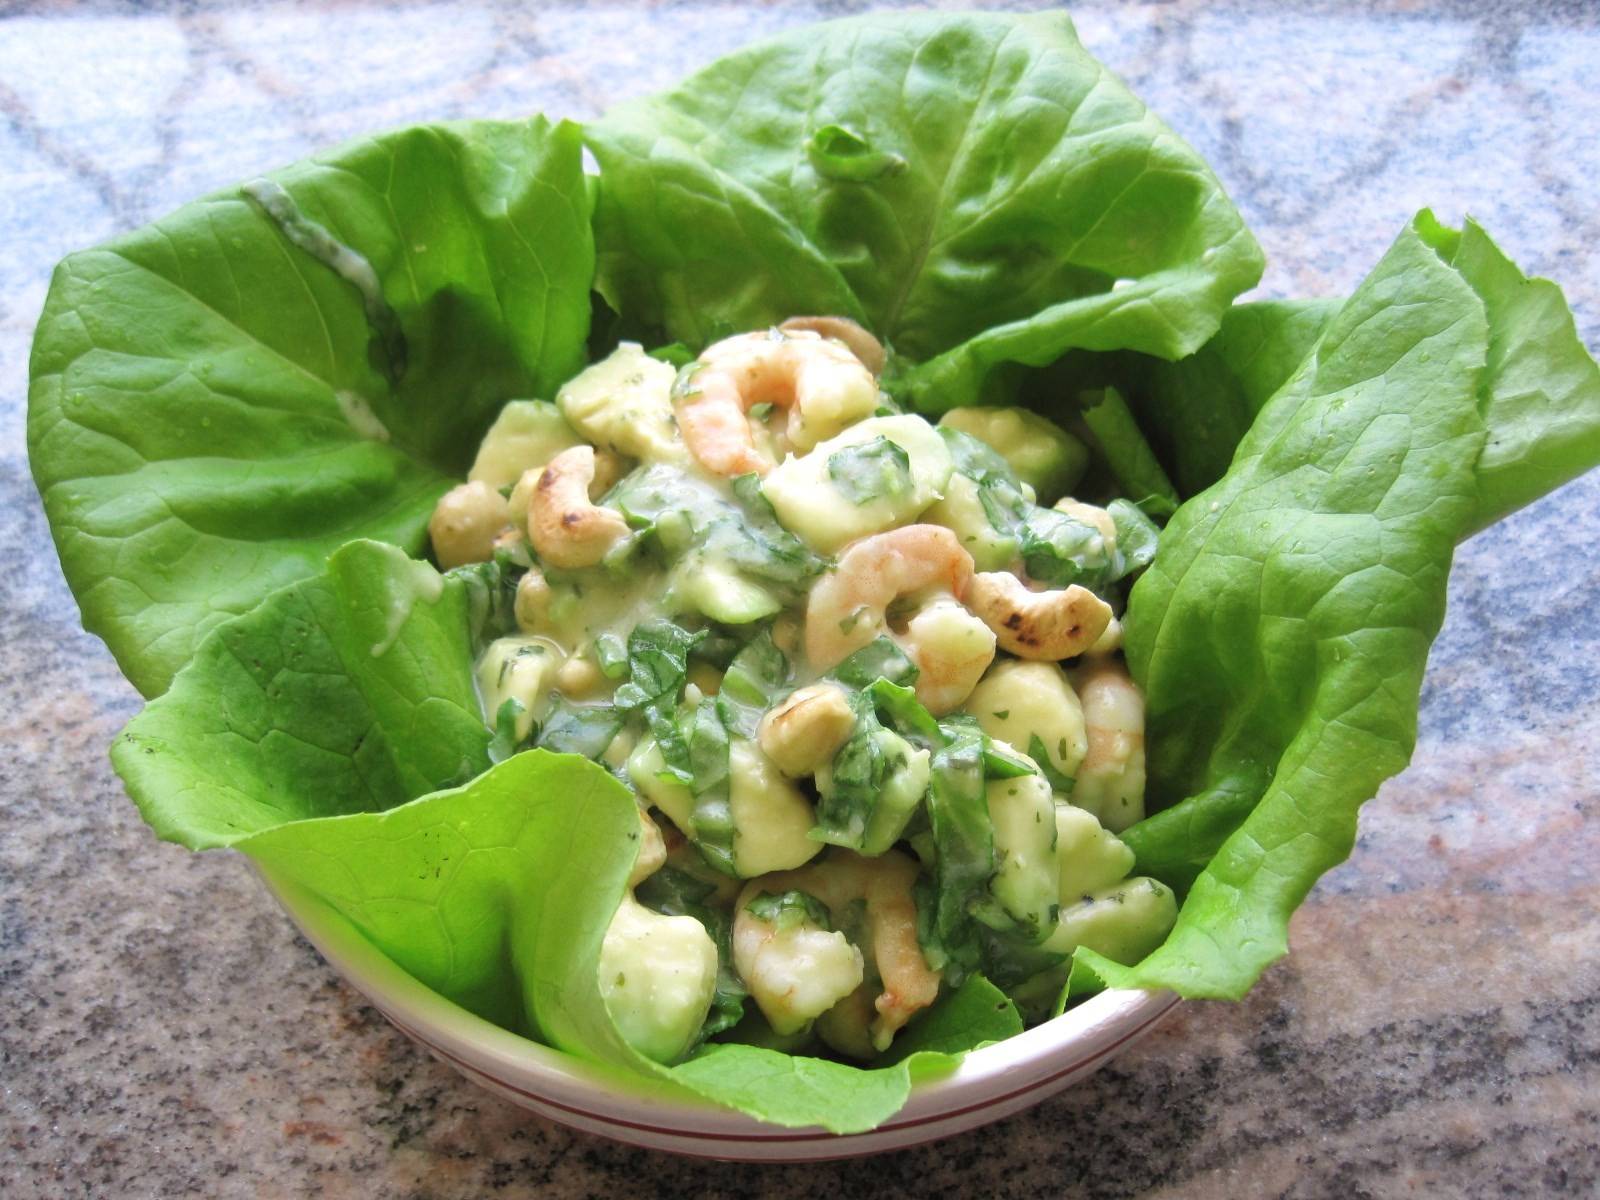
column 849, row 607
column 794, row 969
column 1046, row 626
column 842, row 329
column 952, row 649
column 884, row 883
column 821, row 383
column 567, row 529
column 1110, row 782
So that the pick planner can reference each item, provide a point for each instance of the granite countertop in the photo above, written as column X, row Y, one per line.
column 163, row 1031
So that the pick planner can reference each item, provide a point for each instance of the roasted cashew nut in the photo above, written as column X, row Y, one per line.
column 842, row 329
column 1044, row 626
column 567, row 530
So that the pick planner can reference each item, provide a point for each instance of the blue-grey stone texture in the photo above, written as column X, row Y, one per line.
column 1436, row 1030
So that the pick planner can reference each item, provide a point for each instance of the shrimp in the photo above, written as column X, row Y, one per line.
column 885, row 884
column 1044, row 626
column 566, row 529
column 952, row 649
column 821, row 383
column 795, row 969
column 1110, row 782
column 842, row 329
column 848, row 607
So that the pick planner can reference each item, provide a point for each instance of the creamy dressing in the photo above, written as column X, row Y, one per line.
column 592, row 606
column 344, row 261
column 359, row 416
column 427, row 585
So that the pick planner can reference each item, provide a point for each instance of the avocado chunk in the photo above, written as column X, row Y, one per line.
column 1045, row 457
column 527, row 434
column 624, row 403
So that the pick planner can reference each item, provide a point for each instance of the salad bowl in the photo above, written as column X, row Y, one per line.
column 989, row 1083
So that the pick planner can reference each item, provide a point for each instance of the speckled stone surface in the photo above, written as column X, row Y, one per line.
column 1436, row 1031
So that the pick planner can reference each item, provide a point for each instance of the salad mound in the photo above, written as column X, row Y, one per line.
column 820, row 640
column 783, row 751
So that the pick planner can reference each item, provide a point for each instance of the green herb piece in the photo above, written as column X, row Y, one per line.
column 1059, row 783
column 871, row 471
column 706, row 740
column 788, row 909
column 754, row 676
column 1137, row 537
column 611, row 654
column 964, row 839
column 879, row 659
column 585, row 729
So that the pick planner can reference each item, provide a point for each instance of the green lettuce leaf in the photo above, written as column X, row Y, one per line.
column 1282, row 630
column 1543, row 388
column 492, row 894
column 348, row 692
column 976, row 189
column 214, row 409
column 1542, row 413
column 1197, row 410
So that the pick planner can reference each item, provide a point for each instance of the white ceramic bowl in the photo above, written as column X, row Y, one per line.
column 988, row 1084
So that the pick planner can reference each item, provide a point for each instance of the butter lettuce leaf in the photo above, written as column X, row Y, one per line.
column 1542, row 387
column 492, row 894
column 1282, row 630
column 975, row 188
column 214, row 408
column 1542, row 390
column 1197, row 410
column 348, row 692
